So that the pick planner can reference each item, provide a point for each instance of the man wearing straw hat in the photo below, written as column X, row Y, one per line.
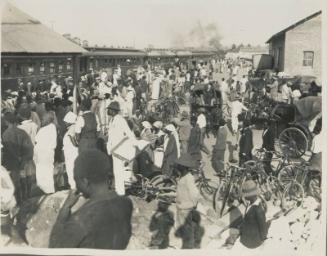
column 253, row 230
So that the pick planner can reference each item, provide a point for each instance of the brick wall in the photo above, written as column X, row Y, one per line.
column 305, row 37
column 278, row 45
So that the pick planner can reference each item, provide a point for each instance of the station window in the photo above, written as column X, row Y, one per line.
column 42, row 68
column 30, row 68
column 60, row 67
column 52, row 67
column 68, row 65
column 19, row 69
column 308, row 58
column 6, row 69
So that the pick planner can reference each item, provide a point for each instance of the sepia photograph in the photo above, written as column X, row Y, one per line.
column 162, row 125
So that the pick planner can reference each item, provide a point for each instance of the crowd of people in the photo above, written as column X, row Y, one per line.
column 77, row 129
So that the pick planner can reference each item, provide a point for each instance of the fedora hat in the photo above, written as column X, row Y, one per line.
column 187, row 161
column 249, row 188
column 114, row 106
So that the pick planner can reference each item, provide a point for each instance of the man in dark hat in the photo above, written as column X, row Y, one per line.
column 118, row 130
column 104, row 221
column 184, row 130
column 187, row 197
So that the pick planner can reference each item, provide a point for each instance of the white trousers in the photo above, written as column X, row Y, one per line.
column 44, row 170
column 234, row 120
column 70, row 156
column 129, row 107
column 119, row 174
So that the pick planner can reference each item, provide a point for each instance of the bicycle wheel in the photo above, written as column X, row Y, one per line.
column 221, row 197
column 207, row 190
column 293, row 196
column 314, row 188
column 162, row 181
column 286, row 174
column 293, row 142
column 275, row 188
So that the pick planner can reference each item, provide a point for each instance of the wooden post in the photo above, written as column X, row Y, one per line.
column 76, row 68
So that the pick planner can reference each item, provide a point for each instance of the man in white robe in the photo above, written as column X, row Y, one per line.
column 117, row 131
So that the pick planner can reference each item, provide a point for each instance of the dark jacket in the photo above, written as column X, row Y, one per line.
column 254, row 228
column 170, row 155
column 17, row 148
column 98, row 224
column 268, row 139
column 221, row 138
column 246, row 141
column 195, row 143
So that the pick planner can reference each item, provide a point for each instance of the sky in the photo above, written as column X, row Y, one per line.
column 140, row 23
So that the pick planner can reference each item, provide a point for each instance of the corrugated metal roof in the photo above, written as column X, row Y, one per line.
column 114, row 53
column 21, row 33
column 293, row 26
column 184, row 53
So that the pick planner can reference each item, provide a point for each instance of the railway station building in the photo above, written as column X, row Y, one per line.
column 296, row 50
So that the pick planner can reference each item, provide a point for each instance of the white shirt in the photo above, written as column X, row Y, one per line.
column 317, row 144
column 243, row 88
column 118, row 129
column 188, row 77
column 30, row 128
column 224, row 87
column 285, row 92
column 103, row 89
column 130, row 94
column 202, row 122
column 236, row 108
column 155, row 89
column 68, row 146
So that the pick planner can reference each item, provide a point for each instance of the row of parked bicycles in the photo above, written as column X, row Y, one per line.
column 289, row 182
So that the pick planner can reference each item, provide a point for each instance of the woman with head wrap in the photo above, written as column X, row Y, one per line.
column 44, row 150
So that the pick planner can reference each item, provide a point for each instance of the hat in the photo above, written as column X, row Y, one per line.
column 70, row 118
column 187, row 161
column 158, row 124
column 14, row 93
column 249, row 188
column 185, row 115
column 201, row 110
column 170, row 128
column 146, row 125
column 114, row 106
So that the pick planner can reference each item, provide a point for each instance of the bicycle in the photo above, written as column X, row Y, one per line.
column 203, row 183
column 229, row 189
column 158, row 188
column 305, row 182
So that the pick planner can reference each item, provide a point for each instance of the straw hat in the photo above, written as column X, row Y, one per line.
column 249, row 188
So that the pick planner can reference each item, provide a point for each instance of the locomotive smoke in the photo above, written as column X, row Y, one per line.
column 199, row 36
